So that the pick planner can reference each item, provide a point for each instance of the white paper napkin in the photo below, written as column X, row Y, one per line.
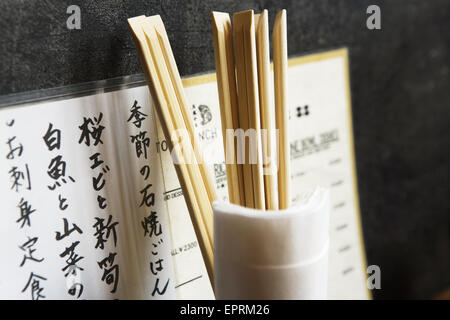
column 272, row 254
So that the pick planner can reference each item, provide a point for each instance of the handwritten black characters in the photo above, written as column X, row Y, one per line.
column 52, row 138
column 137, row 115
column 91, row 129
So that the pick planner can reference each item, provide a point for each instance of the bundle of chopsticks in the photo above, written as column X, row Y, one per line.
column 171, row 106
column 243, row 78
column 244, row 94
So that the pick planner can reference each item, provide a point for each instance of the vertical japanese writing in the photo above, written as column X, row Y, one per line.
column 150, row 224
column 20, row 180
column 58, row 178
column 104, row 226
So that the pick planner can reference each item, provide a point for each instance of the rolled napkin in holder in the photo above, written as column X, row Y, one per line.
column 272, row 254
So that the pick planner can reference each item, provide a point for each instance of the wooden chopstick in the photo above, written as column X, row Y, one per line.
column 158, row 78
column 247, row 83
column 281, row 108
column 242, row 108
column 266, row 108
column 152, row 28
column 226, row 85
column 184, row 107
column 160, row 54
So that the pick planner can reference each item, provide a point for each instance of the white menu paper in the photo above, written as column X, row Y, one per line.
column 91, row 207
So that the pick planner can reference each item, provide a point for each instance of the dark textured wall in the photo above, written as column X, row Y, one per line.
column 400, row 89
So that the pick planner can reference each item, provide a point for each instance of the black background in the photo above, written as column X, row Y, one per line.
column 400, row 81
